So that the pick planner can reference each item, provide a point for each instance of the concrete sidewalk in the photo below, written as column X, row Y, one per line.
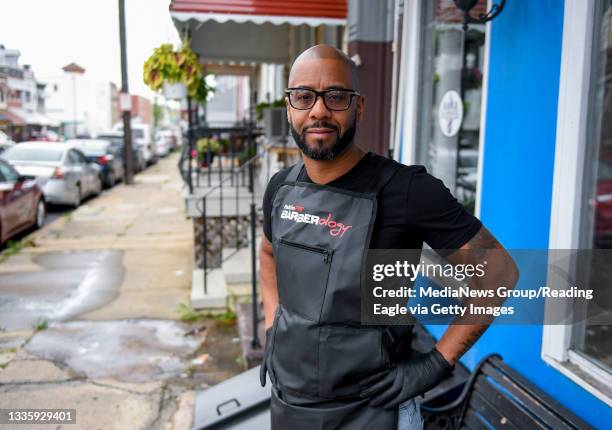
column 102, row 285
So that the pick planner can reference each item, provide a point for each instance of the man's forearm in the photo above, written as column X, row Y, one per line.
column 461, row 335
column 463, row 332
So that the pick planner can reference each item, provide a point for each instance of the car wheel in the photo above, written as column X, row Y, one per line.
column 41, row 213
column 110, row 179
column 99, row 187
column 79, row 197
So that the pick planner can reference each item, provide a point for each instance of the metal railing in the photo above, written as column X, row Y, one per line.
column 226, row 176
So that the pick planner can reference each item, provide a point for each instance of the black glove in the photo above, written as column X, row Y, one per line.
column 416, row 375
column 264, row 362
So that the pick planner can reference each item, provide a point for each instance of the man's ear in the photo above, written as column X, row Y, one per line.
column 360, row 108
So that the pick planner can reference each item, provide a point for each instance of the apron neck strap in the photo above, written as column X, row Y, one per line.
column 386, row 172
column 295, row 171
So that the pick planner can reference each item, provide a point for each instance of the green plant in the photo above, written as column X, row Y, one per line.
column 246, row 154
column 14, row 247
column 41, row 325
column 207, row 144
column 188, row 314
column 263, row 105
column 176, row 66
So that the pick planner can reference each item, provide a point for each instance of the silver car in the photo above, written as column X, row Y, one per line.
column 63, row 172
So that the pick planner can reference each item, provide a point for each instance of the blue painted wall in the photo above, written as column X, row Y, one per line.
column 525, row 58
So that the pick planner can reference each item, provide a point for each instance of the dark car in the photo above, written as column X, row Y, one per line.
column 105, row 155
column 22, row 204
column 116, row 138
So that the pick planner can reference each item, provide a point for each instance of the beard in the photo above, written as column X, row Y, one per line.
column 319, row 151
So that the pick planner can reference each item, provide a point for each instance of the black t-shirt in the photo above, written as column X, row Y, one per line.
column 413, row 207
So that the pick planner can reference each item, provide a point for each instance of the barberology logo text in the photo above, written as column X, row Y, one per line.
column 296, row 213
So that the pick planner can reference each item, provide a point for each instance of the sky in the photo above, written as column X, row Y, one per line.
column 53, row 33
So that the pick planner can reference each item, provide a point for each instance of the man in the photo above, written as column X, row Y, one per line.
column 329, row 371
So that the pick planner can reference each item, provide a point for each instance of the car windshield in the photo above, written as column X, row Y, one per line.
column 137, row 133
column 91, row 146
column 32, row 154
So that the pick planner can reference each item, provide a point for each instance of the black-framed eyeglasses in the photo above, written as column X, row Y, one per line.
column 334, row 99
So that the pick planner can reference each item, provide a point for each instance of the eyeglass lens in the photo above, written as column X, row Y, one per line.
column 334, row 100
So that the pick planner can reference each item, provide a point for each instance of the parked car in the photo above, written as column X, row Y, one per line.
column 105, row 155
column 143, row 137
column 64, row 173
column 169, row 137
column 163, row 145
column 22, row 203
column 116, row 139
column 5, row 141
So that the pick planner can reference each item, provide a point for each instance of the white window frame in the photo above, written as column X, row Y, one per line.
column 569, row 170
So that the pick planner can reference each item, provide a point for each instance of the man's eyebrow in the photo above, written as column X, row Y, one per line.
column 337, row 87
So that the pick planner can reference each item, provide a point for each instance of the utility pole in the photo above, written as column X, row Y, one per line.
column 125, row 103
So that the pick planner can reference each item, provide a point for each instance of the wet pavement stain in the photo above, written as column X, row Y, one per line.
column 69, row 284
column 126, row 350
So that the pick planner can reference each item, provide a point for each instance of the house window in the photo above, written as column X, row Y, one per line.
column 451, row 78
column 593, row 341
column 582, row 195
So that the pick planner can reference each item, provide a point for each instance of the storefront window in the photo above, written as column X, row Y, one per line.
column 591, row 340
column 450, row 93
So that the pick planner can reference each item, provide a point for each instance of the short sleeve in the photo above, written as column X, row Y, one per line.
column 433, row 211
column 268, row 198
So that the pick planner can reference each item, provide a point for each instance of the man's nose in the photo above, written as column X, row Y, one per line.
column 319, row 110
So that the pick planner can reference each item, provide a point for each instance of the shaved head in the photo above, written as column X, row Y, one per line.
column 324, row 52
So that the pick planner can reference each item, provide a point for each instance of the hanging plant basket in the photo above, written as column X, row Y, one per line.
column 175, row 91
column 167, row 67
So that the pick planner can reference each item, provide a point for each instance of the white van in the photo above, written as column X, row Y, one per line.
column 144, row 139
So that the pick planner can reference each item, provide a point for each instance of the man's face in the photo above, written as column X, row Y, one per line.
column 319, row 132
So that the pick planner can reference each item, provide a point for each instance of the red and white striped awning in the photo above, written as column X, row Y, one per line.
column 251, row 31
column 277, row 12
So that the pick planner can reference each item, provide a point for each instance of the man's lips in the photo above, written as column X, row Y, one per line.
column 320, row 130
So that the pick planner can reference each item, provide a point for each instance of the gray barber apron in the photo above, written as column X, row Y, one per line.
column 318, row 350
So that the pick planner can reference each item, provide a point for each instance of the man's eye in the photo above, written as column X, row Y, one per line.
column 335, row 97
column 303, row 96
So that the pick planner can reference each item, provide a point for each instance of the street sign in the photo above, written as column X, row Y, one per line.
column 125, row 102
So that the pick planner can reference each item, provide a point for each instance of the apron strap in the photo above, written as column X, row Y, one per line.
column 295, row 171
column 378, row 184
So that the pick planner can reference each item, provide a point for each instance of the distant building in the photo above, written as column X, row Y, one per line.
column 142, row 110
column 79, row 104
column 22, row 98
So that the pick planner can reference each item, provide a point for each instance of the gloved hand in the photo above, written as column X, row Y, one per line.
column 264, row 362
column 408, row 379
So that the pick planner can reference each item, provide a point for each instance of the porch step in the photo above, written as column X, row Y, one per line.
column 216, row 294
column 237, row 264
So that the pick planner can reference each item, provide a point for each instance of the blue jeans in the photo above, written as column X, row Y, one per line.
column 409, row 416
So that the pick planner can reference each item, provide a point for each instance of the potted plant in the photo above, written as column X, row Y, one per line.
column 177, row 72
column 207, row 149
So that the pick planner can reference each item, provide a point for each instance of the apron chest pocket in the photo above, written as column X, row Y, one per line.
column 302, row 275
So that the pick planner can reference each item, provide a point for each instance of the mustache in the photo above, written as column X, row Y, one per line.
column 320, row 124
